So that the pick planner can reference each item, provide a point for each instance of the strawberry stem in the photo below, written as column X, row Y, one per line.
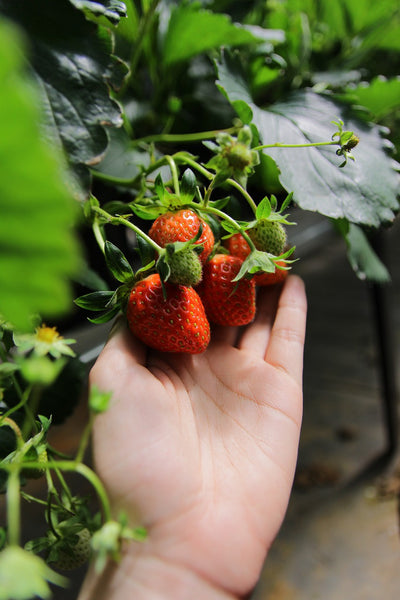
column 13, row 505
column 122, row 221
column 226, row 217
column 174, row 172
column 174, row 138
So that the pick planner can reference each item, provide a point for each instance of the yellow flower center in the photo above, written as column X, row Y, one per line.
column 49, row 335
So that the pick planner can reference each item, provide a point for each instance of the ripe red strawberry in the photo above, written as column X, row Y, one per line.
column 237, row 246
column 175, row 324
column 227, row 302
column 182, row 226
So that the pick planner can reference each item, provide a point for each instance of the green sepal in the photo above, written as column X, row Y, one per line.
column 187, row 186
column 96, row 301
column 159, row 188
column 238, row 228
column 163, row 268
column 255, row 262
column 117, row 263
column 147, row 212
column 263, row 262
column 107, row 316
column 219, row 204
column 146, row 250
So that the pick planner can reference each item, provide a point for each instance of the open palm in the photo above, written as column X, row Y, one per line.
column 201, row 449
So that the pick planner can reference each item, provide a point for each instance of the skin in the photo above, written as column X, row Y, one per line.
column 201, row 450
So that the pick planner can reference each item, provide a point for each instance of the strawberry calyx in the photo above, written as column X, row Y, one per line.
column 263, row 262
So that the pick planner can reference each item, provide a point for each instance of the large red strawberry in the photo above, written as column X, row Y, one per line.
column 176, row 323
column 182, row 226
column 227, row 302
column 237, row 246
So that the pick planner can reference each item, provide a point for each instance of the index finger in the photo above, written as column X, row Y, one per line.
column 286, row 343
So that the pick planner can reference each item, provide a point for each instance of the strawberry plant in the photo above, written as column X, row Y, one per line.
column 151, row 154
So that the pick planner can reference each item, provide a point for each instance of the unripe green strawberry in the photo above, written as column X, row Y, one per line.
column 38, row 457
column 76, row 554
column 186, row 267
column 268, row 236
column 239, row 156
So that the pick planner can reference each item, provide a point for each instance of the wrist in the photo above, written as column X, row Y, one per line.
column 143, row 576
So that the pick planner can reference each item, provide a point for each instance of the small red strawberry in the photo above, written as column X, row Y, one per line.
column 177, row 323
column 277, row 276
column 182, row 226
column 227, row 302
column 237, row 246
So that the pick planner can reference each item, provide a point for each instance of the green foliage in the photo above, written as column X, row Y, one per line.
column 38, row 251
column 193, row 31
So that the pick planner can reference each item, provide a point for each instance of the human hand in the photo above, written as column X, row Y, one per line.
column 201, row 449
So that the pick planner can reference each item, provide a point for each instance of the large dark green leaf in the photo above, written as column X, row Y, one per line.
column 362, row 257
column 381, row 96
column 37, row 250
column 113, row 10
column 364, row 191
column 192, row 30
column 72, row 59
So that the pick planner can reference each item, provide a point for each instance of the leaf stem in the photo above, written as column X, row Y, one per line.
column 305, row 145
column 85, row 437
column 244, row 193
column 174, row 171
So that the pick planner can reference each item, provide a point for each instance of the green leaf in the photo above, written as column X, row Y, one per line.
column 38, row 252
column 364, row 191
column 99, row 401
column 113, row 10
column 74, row 66
column 381, row 97
column 7, row 369
column 122, row 159
column 40, row 370
column 363, row 259
column 117, row 263
column 36, row 575
column 232, row 84
column 96, row 301
column 192, row 30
